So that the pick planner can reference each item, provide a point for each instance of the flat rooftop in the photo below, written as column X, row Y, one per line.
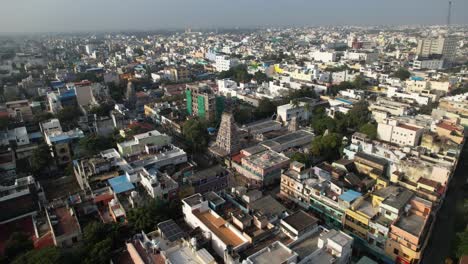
column 266, row 159
column 67, row 224
column 367, row 208
column 307, row 246
column 287, row 138
column 301, row 220
column 274, row 253
column 217, row 225
column 268, row 205
column 253, row 127
column 413, row 224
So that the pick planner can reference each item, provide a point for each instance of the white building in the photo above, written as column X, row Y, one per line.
column 197, row 213
column 324, row 56
column 398, row 133
column 224, row 63
column 368, row 57
column 429, row 64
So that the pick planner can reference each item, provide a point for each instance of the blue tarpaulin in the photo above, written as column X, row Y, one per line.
column 121, row 184
column 350, row 195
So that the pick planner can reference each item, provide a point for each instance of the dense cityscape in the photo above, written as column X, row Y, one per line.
column 330, row 144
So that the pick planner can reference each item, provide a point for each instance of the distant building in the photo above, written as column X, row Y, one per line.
column 19, row 110
column 203, row 102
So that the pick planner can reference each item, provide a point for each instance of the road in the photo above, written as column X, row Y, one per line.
column 441, row 240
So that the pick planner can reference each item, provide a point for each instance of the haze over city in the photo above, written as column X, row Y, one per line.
column 89, row 15
column 233, row 131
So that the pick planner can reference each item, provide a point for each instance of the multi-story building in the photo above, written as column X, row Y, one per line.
column 60, row 141
column 445, row 46
column 409, row 233
column 151, row 149
column 223, row 234
column 224, row 63
column 399, row 133
column 203, row 102
column 261, row 168
column 19, row 110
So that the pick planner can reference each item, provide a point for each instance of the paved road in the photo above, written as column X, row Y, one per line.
column 440, row 243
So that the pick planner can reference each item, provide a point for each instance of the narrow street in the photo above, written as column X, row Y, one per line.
column 441, row 240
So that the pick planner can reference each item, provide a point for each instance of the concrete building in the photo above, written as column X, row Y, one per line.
column 60, row 141
column 224, row 63
column 198, row 214
column 261, row 168
column 445, row 46
column 323, row 56
column 399, row 133
column 203, row 102
column 19, row 110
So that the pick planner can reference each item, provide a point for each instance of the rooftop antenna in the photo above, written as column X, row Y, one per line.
column 449, row 16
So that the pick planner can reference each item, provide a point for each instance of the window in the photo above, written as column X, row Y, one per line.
column 396, row 251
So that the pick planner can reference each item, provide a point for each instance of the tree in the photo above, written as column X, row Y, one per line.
column 100, row 253
column 117, row 91
column 195, row 134
column 334, row 89
column 359, row 82
column 461, row 244
column 402, row 74
column 48, row 255
column 17, row 244
column 260, row 77
column 266, row 108
column 358, row 115
column 92, row 145
column 41, row 158
column 138, row 51
column 69, row 116
column 370, row 130
column 147, row 217
column 242, row 116
column 427, row 109
column 102, row 109
column 327, row 146
column 302, row 158
column 43, row 116
column 238, row 74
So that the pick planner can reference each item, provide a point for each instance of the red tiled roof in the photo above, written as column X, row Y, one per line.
column 44, row 241
column 237, row 158
column 448, row 126
column 409, row 127
column 428, row 182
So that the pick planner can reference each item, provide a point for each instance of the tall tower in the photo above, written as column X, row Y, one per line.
column 449, row 16
column 130, row 94
column 228, row 139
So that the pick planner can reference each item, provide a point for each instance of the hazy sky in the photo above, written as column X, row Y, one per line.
column 97, row 15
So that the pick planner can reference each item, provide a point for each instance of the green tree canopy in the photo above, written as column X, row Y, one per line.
column 266, row 108
column 102, row 109
column 41, row 158
column 238, row 74
column 260, row 77
column 49, row 255
column 147, row 217
column 304, row 158
column 327, row 146
column 93, row 144
column 17, row 244
column 402, row 74
column 370, row 130
column 195, row 134
column 69, row 117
